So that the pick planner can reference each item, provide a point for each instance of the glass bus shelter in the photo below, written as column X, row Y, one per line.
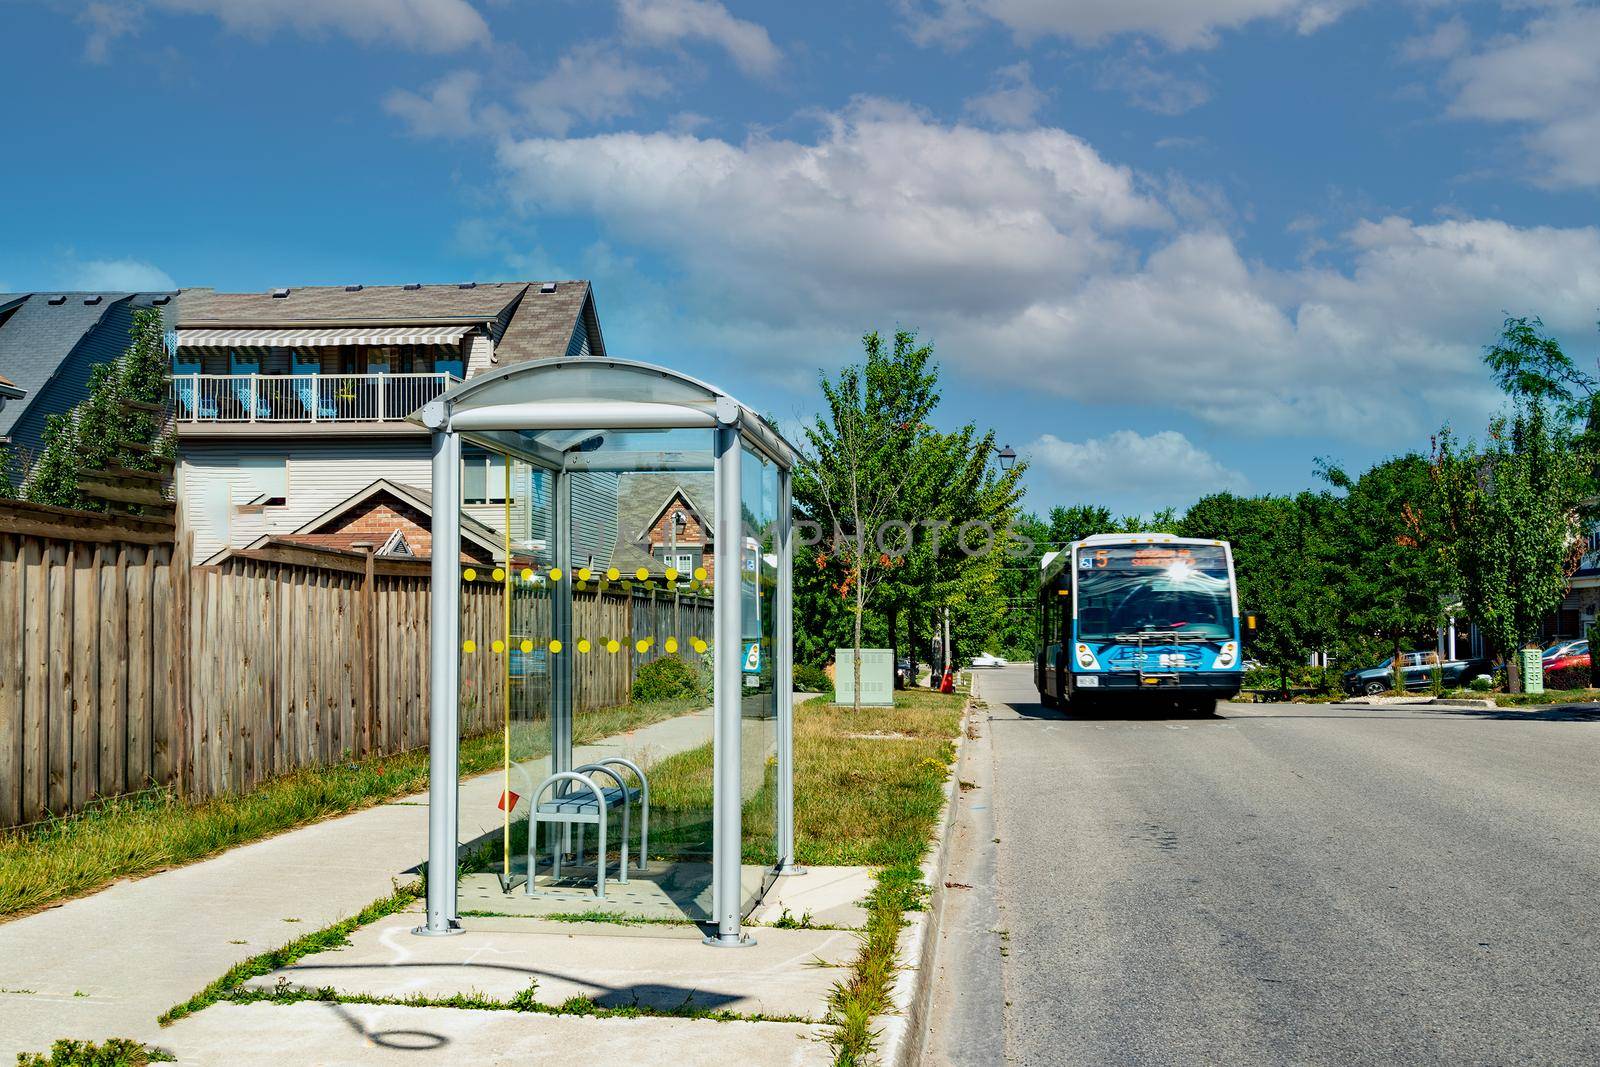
column 637, row 515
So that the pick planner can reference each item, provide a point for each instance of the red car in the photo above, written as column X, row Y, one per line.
column 1574, row 658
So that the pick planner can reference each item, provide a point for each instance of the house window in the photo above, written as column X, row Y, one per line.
column 483, row 478
column 682, row 561
column 264, row 481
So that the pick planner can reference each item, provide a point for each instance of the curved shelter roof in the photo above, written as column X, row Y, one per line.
column 544, row 402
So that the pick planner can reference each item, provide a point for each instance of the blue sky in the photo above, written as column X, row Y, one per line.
column 1163, row 246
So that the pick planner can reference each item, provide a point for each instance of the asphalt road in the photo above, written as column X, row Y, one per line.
column 1280, row 884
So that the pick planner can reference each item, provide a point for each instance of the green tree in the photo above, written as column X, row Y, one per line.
column 1391, row 572
column 119, row 424
column 1283, row 551
column 1512, row 511
column 853, row 475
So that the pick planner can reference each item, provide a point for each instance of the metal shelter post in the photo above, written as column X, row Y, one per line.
column 444, row 682
column 561, row 622
column 727, row 831
column 783, row 674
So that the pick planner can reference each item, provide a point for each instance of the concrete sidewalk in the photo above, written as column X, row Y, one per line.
column 107, row 965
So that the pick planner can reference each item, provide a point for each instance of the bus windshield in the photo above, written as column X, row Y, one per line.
column 1150, row 590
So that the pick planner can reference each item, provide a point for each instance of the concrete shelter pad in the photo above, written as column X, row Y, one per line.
column 833, row 896
column 661, row 967
column 272, row 1035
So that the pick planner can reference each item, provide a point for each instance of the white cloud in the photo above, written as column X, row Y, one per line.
column 1149, row 87
column 1013, row 100
column 1022, row 254
column 1445, row 40
column 424, row 25
column 671, row 22
column 118, row 275
column 885, row 208
column 590, row 82
column 1166, row 466
column 107, row 23
column 1178, row 24
column 1546, row 78
column 445, row 110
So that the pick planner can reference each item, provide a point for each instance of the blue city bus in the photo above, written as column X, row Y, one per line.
column 1131, row 617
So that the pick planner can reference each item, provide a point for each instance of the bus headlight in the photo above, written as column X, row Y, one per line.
column 1228, row 656
column 1086, row 659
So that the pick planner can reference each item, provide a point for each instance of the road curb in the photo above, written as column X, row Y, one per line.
column 902, row 1029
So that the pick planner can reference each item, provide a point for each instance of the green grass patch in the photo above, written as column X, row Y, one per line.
column 1554, row 696
column 133, row 836
column 113, row 1052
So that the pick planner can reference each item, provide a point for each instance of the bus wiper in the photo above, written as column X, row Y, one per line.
column 1172, row 636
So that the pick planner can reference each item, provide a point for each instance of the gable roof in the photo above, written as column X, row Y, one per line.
column 472, row 530
column 37, row 337
column 678, row 492
column 642, row 497
column 529, row 320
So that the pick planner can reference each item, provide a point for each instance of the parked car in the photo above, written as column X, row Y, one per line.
column 1572, row 654
column 988, row 659
column 1416, row 670
column 1560, row 649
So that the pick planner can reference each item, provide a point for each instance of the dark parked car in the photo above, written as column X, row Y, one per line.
column 1417, row 670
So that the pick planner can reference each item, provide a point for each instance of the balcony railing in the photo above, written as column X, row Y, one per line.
column 303, row 397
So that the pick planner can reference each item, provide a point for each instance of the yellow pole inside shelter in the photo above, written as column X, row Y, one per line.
column 505, row 737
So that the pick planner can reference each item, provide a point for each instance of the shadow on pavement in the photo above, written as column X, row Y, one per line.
column 1114, row 712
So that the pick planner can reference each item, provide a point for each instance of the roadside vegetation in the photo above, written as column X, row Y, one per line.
column 133, row 836
column 113, row 1052
column 1376, row 561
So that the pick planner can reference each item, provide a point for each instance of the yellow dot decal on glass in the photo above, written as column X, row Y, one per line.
column 694, row 584
column 627, row 586
column 641, row 645
column 642, row 573
column 555, row 647
column 672, row 574
column 697, row 644
column 700, row 573
column 612, row 646
column 470, row 575
column 613, row 574
column 469, row 645
column 527, row 574
column 499, row 575
column 583, row 644
column 671, row 644
column 498, row 646
column 526, row 646
column 583, row 574
column 555, row 574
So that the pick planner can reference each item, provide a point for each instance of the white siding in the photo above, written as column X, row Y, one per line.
column 214, row 479
column 480, row 354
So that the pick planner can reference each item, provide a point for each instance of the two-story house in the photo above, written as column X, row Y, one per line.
column 291, row 411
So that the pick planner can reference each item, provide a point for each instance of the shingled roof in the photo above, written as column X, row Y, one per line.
column 42, row 333
column 529, row 320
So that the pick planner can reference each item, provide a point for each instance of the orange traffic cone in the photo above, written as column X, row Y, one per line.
column 948, row 683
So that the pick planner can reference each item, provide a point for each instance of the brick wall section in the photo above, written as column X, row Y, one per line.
column 377, row 518
column 693, row 534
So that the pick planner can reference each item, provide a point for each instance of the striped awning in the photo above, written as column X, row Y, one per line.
column 317, row 338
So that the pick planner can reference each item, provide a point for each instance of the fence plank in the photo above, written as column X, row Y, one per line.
column 13, row 610
column 60, row 696
column 85, row 676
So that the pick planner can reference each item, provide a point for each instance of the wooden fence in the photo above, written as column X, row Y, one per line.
column 123, row 667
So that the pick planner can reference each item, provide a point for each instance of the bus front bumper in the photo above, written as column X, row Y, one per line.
column 1220, row 684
